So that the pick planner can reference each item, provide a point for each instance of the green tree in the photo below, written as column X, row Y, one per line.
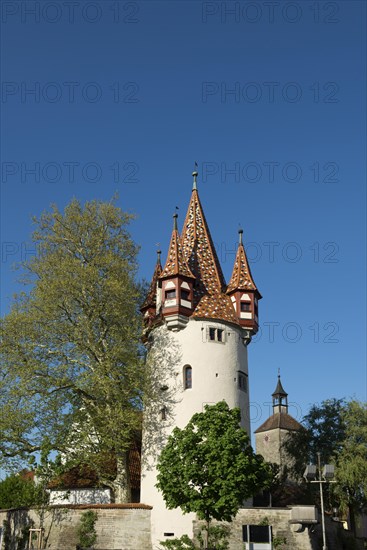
column 71, row 366
column 324, row 432
column 351, row 460
column 209, row 467
column 18, row 490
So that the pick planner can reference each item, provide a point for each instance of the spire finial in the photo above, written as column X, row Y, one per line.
column 175, row 216
column 195, row 175
column 279, row 372
column 159, row 256
column 240, row 234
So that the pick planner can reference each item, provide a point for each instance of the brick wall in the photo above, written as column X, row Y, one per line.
column 119, row 527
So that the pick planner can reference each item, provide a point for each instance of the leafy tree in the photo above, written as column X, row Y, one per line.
column 71, row 366
column 17, row 490
column 324, row 432
column 209, row 467
column 86, row 531
column 351, row 460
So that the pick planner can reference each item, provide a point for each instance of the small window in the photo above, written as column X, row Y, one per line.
column 187, row 377
column 163, row 413
column 242, row 381
column 216, row 334
column 185, row 295
column 245, row 306
column 170, row 294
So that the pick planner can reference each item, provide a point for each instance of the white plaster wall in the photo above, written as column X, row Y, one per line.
column 80, row 496
column 215, row 367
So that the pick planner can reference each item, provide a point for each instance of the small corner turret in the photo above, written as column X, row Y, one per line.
column 243, row 291
column 176, row 282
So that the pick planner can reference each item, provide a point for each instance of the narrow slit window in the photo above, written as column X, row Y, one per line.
column 187, row 377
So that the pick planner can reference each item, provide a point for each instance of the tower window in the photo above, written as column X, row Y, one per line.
column 185, row 295
column 245, row 306
column 170, row 294
column 163, row 413
column 187, row 377
column 242, row 381
column 216, row 334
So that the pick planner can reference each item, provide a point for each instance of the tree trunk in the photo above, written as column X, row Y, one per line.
column 121, row 484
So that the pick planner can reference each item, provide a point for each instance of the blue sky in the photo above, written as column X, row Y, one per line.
column 268, row 98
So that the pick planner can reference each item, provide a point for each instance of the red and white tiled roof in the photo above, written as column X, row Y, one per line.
column 241, row 276
column 176, row 263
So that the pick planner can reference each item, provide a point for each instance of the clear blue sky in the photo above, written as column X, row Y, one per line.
column 268, row 98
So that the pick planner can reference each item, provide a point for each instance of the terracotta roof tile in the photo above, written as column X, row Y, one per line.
column 283, row 421
column 199, row 251
column 151, row 299
column 176, row 264
column 216, row 306
column 241, row 276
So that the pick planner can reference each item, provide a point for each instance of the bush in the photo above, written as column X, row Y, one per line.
column 86, row 531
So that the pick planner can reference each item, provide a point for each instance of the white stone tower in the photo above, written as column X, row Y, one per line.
column 197, row 331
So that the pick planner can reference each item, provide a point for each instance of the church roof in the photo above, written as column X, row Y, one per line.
column 199, row 252
column 176, row 263
column 241, row 276
column 151, row 299
column 279, row 390
column 283, row 421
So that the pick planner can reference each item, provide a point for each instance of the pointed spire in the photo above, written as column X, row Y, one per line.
column 199, row 252
column 279, row 390
column 241, row 275
column 151, row 299
column 175, row 264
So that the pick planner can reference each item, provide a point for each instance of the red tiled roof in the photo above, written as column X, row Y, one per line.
column 199, row 251
column 151, row 299
column 241, row 276
column 281, row 421
column 176, row 264
column 216, row 306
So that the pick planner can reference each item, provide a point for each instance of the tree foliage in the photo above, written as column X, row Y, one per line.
column 70, row 355
column 324, row 432
column 17, row 490
column 351, row 460
column 209, row 467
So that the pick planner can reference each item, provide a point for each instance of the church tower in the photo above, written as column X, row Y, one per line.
column 197, row 331
column 273, row 432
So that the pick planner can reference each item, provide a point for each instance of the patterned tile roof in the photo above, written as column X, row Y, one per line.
column 151, row 299
column 216, row 306
column 283, row 421
column 199, row 251
column 176, row 263
column 241, row 276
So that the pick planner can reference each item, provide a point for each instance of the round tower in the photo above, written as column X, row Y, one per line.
column 197, row 338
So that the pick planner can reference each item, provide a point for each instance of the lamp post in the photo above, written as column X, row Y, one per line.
column 324, row 476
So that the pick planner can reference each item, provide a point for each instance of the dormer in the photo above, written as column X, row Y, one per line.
column 177, row 283
column 243, row 292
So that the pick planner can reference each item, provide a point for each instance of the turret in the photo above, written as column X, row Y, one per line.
column 151, row 305
column 243, row 291
column 177, row 283
column 280, row 399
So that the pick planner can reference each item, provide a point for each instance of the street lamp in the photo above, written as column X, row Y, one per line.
column 325, row 476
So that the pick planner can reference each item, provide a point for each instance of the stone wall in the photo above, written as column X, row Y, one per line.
column 297, row 537
column 119, row 527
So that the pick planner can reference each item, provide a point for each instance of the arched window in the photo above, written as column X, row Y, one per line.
column 187, row 377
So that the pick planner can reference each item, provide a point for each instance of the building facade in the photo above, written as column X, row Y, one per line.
column 197, row 329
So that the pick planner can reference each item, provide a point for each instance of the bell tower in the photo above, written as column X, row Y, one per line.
column 197, row 338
